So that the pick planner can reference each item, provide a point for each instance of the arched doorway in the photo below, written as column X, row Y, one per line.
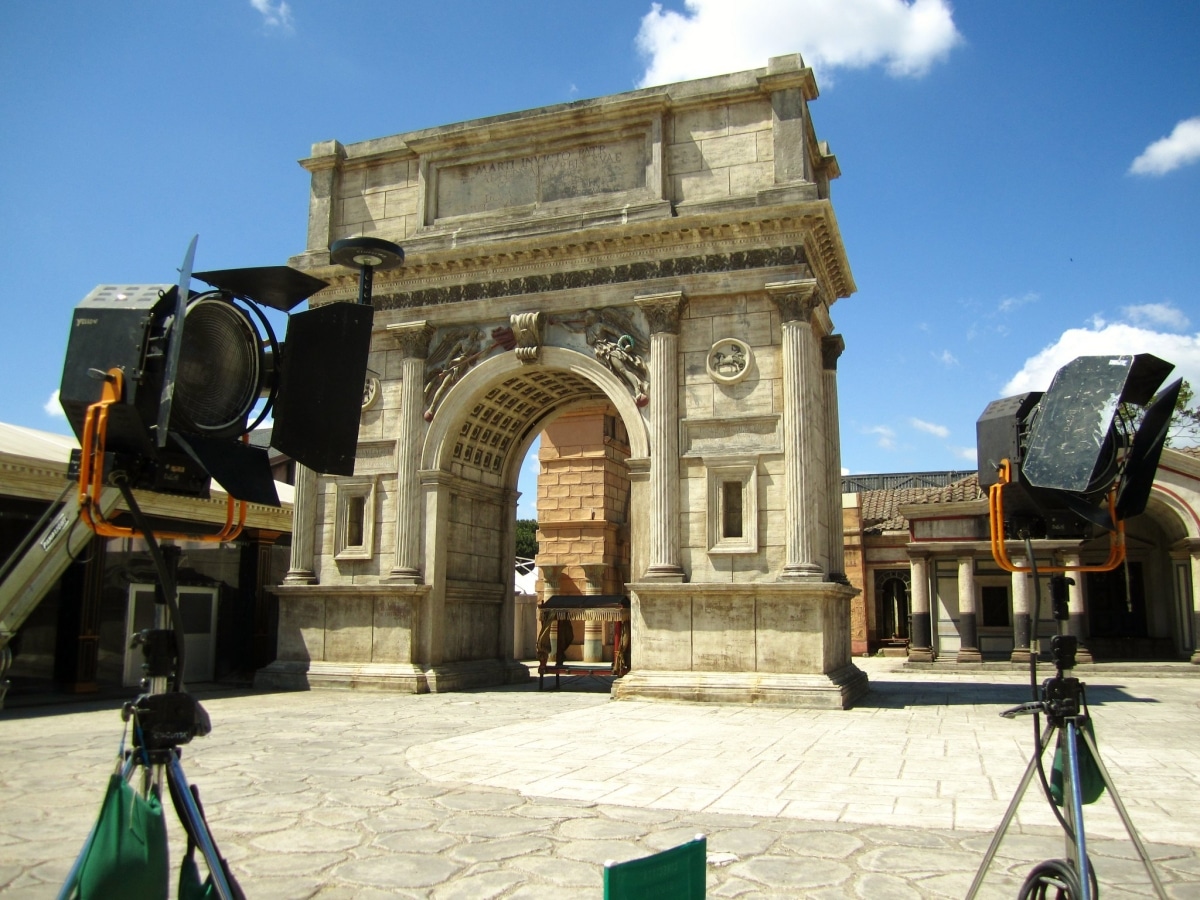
column 892, row 608
column 477, row 439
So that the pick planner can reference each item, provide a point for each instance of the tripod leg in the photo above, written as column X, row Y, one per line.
column 1008, row 817
column 1124, row 814
column 199, row 828
column 1072, row 795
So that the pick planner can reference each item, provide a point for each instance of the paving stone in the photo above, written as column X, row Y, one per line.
column 399, row 870
column 328, row 796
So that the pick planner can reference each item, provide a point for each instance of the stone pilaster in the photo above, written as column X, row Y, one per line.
column 1194, row 555
column 304, row 524
column 920, row 638
column 968, row 619
column 1022, row 594
column 412, row 340
column 804, row 479
column 832, row 348
column 662, row 313
column 1077, row 607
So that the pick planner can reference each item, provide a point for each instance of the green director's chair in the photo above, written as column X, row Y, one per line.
column 675, row 874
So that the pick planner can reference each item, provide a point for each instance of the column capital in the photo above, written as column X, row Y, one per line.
column 411, row 338
column 832, row 347
column 797, row 300
column 662, row 311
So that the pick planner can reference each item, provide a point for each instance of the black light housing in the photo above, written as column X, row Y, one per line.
column 1069, row 447
column 192, row 383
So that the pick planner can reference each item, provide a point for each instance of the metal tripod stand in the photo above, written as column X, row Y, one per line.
column 1063, row 701
column 164, row 718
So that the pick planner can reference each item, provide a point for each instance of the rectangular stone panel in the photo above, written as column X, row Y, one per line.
column 348, row 624
column 606, row 167
column 600, row 169
column 723, row 634
column 728, row 436
column 663, row 637
column 393, row 629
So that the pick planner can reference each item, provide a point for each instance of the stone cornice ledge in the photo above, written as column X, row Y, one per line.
column 415, row 591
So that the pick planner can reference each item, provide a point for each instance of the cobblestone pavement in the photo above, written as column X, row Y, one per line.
column 512, row 793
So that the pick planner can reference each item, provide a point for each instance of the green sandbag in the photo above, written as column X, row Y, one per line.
column 127, row 853
column 1091, row 782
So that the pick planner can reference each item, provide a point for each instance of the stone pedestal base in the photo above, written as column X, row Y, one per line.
column 786, row 643
column 283, row 675
column 1021, row 656
column 837, row 690
column 920, row 654
column 968, row 655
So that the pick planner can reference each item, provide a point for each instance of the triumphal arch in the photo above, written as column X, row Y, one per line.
column 669, row 257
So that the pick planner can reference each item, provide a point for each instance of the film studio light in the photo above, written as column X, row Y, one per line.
column 164, row 383
column 1068, row 462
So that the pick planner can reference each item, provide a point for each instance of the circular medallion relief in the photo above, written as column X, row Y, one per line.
column 728, row 361
column 370, row 392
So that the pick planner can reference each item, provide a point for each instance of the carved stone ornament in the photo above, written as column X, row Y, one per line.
column 728, row 361
column 528, row 329
column 832, row 347
column 371, row 390
column 796, row 301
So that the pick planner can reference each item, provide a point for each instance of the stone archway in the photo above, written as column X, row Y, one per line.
column 671, row 251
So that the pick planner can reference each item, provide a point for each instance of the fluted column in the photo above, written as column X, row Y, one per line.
column 804, row 479
column 412, row 340
column 662, row 315
column 304, row 525
column 832, row 348
column 968, row 618
column 1194, row 559
column 920, row 635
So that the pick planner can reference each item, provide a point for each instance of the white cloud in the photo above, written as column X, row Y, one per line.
column 1162, row 315
column 54, row 408
column 1009, row 304
column 946, row 358
column 1104, row 339
column 1180, row 148
column 884, row 436
column 969, row 454
column 930, row 428
column 712, row 37
column 276, row 14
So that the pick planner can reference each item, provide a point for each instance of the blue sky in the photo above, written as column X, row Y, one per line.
column 1021, row 180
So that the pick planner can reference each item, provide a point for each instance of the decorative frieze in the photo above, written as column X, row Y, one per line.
column 622, row 274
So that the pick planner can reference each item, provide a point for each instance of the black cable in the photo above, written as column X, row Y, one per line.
column 166, row 576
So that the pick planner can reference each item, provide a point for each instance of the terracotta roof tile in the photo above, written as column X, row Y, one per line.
column 880, row 509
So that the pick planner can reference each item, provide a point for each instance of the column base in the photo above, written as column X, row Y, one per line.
column 1021, row 655
column 1083, row 656
column 402, row 576
column 920, row 654
column 802, row 572
column 670, row 574
column 300, row 576
column 968, row 655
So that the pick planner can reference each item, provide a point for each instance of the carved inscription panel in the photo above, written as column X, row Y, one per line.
column 604, row 168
